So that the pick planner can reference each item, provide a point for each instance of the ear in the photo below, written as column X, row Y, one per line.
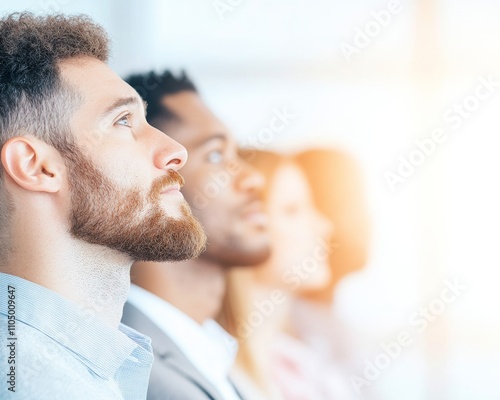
column 33, row 164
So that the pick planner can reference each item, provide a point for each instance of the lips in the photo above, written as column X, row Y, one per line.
column 171, row 188
column 254, row 213
column 167, row 184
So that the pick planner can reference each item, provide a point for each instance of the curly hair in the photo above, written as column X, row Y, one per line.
column 34, row 99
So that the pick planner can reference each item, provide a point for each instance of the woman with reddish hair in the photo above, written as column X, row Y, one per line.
column 319, row 232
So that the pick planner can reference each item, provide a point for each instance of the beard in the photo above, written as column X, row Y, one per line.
column 128, row 220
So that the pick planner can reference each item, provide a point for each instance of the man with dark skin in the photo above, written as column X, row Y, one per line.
column 176, row 304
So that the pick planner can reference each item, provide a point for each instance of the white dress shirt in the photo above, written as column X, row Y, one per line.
column 209, row 347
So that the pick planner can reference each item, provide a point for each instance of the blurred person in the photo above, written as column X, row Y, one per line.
column 273, row 361
column 87, row 187
column 339, row 193
column 175, row 304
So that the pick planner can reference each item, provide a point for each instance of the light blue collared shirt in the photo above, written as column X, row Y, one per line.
column 51, row 349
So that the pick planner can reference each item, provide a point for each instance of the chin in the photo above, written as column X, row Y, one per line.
column 242, row 257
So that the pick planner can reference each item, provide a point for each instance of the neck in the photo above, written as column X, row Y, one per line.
column 196, row 287
column 95, row 278
column 274, row 305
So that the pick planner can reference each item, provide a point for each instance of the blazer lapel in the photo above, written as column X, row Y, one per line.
column 166, row 351
column 236, row 389
column 183, row 366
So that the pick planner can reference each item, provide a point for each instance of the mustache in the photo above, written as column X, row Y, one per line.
column 163, row 182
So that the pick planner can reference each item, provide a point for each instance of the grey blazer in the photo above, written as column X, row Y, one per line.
column 173, row 376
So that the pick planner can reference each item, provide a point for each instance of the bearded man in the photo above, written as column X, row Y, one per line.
column 87, row 187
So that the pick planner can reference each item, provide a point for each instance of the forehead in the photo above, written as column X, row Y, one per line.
column 288, row 185
column 197, row 123
column 98, row 84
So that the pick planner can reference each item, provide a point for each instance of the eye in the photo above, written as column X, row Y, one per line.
column 125, row 121
column 215, row 157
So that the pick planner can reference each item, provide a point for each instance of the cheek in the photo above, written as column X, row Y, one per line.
column 209, row 199
column 126, row 167
column 127, row 173
column 294, row 240
column 209, row 210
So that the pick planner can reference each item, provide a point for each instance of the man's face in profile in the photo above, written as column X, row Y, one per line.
column 222, row 189
column 122, row 181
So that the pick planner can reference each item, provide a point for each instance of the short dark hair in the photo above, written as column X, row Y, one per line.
column 33, row 98
column 152, row 87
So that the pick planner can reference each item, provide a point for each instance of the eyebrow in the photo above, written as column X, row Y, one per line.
column 125, row 101
column 217, row 136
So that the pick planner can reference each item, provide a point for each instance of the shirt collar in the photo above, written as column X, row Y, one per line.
column 102, row 348
column 209, row 347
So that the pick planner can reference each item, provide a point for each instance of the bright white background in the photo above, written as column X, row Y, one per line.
column 442, row 223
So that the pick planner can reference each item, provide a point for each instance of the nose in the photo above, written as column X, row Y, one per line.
column 169, row 154
column 249, row 180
